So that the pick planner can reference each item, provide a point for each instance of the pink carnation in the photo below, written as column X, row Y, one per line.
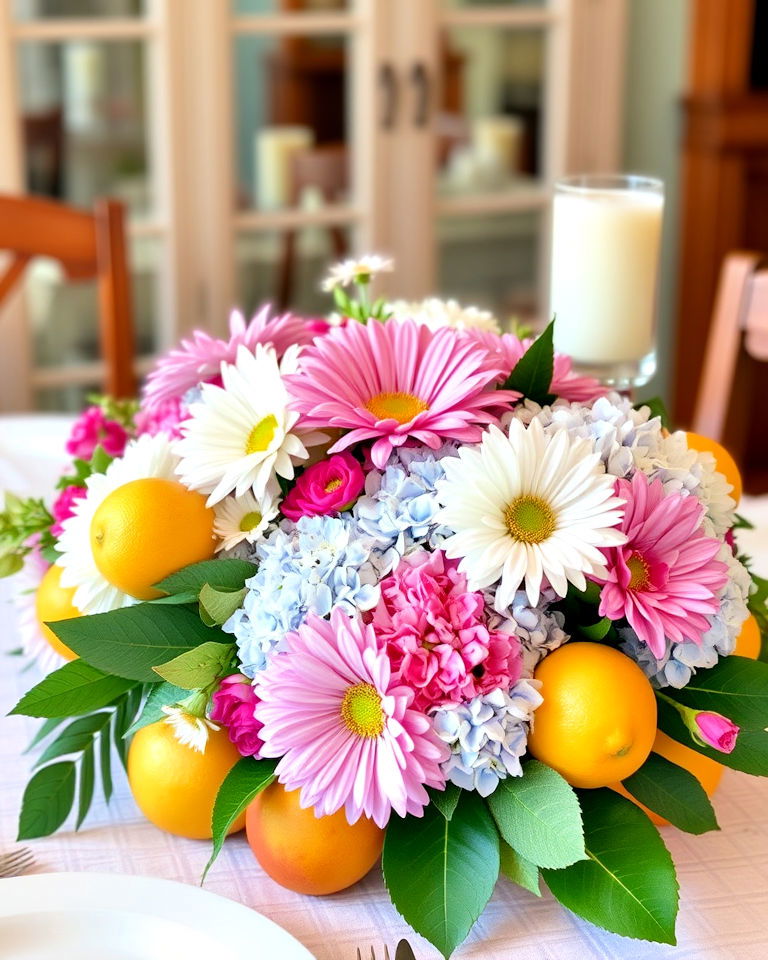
column 64, row 507
column 93, row 429
column 326, row 487
column 166, row 417
column 234, row 704
column 437, row 638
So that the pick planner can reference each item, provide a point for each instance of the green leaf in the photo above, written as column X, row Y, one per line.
column 45, row 730
column 131, row 641
column 673, row 793
column 160, row 695
column 10, row 563
column 125, row 714
column 750, row 755
column 532, row 375
column 519, row 870
column 244, row 781
column 177, row 599
column 736, row 687
column 445, row 800
column 47, row 800
column 597, row 631
column 75, row 737
column 657, row 408
column 217, row 606
column 87, row 777
column 538, row 815
column 105, row 763
column 628, row 884
column 77, row 687
column 220, row 573
column 441, row 873
column 199, row 667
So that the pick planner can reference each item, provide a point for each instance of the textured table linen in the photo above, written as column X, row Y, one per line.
column 723, row 875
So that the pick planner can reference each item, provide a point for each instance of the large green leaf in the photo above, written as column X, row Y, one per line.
column 538, row 815
column 672, row 793
column 445, row 800
column 519, row 870
column 75, row 737
column 244, row 781
column 47, row 800
column 441, row 873
column 228, row 574
column 750, row 755
column 160, row 695
column 628, row 883
column 77, row 687
column 532, row 375
column 87, row 778
column 217, row 606
column 198, row 667
column 131, row 641
column 736, row 687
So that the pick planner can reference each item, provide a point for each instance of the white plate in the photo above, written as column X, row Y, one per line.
column 95, row 916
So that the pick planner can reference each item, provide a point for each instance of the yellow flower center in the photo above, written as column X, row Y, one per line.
column 261, row 435
column 402, row 407
column 640, row 572
column 361, row 710
column 530, row 519
column 332, row 485
column 250, row 521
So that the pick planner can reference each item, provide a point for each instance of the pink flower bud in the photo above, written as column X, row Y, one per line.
column 326, row 487
column 233, row 707
column 717, row 731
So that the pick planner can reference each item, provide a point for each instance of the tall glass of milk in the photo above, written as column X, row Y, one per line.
column 606, row 238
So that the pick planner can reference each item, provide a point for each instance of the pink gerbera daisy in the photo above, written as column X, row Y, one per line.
column 664, row 578
column 346, row 733
column 393, row 381
column 565, row 383
column 199, row 357
column 437, row 637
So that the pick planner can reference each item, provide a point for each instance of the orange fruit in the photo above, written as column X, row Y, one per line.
column 148, row 529
column 725, row 462
column 598, row 719
column 305, row 853
column 749, row 641
column 54, row 602
column 707, row 771
column 174, row 785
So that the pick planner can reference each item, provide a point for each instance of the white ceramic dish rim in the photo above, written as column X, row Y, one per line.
column 237, row 928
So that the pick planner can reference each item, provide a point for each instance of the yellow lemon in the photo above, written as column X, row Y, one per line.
column 725, row 462
column 54, row 602
column 748, row 642
column 598, row 720
column 147, row 529
column 174, row 785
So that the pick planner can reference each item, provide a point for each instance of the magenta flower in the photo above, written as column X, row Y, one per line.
column 328, row 486
column 565, row 383
column 233, row 706
column 345, row 730
column 64, row 507
column 199, row 358
column 93, row 429
column 165, row 417
column 717, row 731
column 391, row 381
column 664, row 578
column 437, row 638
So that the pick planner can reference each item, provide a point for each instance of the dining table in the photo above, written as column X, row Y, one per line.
column 723, row 874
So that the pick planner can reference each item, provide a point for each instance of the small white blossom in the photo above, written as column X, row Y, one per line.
column 435, row 313
column 189, row 730
column 347, row 272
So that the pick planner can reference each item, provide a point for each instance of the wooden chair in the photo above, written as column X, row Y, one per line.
column 87, row 245
column 739, row 325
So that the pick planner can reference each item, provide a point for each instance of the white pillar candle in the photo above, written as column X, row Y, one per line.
column 274, row 148
column 605, row 257
column 497, row 142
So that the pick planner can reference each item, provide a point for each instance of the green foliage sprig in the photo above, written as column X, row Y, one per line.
column 20, row 520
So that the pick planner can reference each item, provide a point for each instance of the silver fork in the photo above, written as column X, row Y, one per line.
column 16, row 862
column 373, row 954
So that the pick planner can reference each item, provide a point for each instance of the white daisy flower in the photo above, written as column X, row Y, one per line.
column 188, row 729
column 347, row 272
column 526, row 507
column 145, row 457
column 240, row 436
column 435, row 313
column 243, row 518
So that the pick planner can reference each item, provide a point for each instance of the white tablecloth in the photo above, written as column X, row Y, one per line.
column 723, row 876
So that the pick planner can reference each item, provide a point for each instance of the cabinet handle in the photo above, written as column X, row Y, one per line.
column 421, row 86
column 388, row 84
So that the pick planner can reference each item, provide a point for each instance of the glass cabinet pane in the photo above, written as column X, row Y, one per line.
column 64, row 9
column 489, row 125
column 291, row 130
column 83, row 118
column 464, row 4
column 245, row 8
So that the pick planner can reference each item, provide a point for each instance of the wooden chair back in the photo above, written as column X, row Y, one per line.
column 87, row 246
column 739, row 323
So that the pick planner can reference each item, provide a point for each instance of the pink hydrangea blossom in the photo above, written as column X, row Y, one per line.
column 63, row 507
column 165, row 417
column 93, row 429
column 233, row 706
column 437, row 637
column 664, row 579
column 328, row 486
column 717, row 731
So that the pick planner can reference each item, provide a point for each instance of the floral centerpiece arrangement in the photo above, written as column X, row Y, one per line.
column 401, row 580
